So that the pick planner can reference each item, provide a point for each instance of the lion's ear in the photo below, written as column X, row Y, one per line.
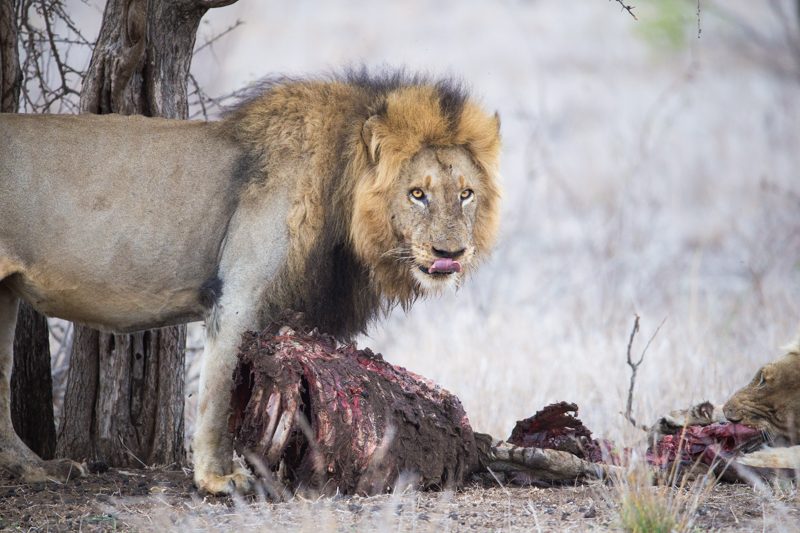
column 370, row 139
column 497, row 120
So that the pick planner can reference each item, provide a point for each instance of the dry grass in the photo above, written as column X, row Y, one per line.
column 167, row 506
column 648, row 503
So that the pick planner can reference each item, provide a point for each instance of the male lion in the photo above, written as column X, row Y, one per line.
column 339, row 198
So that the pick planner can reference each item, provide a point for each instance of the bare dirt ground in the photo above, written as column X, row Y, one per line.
column 162, row 500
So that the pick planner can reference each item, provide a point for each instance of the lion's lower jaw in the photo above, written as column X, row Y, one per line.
column 434, row 286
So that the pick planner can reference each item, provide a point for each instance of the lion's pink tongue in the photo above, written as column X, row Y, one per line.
column 445, row 265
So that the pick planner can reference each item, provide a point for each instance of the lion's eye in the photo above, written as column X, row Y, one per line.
column 417, row 193
column 466, row 194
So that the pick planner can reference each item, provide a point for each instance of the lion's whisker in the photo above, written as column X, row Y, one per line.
column 399, row 251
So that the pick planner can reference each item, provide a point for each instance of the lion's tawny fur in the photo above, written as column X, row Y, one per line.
column 300, row 198
column 340, row 198
column 771, row 401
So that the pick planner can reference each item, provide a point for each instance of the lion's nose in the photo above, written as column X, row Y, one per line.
column 732, row 416
column 454, row 254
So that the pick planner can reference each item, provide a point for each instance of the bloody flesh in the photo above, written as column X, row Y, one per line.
column 703, row 443
column 335, row 418
column 557, row 427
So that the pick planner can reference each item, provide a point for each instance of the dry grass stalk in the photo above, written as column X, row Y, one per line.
column 652, row 503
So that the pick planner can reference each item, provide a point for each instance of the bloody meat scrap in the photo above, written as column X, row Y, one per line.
column 557, row 427
column 706, row 444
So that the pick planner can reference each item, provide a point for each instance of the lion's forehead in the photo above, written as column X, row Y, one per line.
column 785, row 383
column 447, row 167
column 773, row 396
column 786, row 370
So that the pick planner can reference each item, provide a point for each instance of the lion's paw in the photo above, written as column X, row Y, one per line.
column 239, row 481
column 64, row 469
column 18, row 460
column 60, row 470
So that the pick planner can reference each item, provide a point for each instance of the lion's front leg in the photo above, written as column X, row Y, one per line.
column 254, row 251
column 214, row 469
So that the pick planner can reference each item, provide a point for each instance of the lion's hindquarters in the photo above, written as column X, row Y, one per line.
column 116, row 221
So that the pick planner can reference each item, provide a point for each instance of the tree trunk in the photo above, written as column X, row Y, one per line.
column 10, row 73
column 32, row 383
column 31, row 379
column 124, row 399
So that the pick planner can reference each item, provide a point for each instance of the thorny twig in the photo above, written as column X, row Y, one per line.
column 207, row 103
column 201, row 103
column 699, row 28
column 202, row 97
column 635, row 368
column 50, row 79
column 52, row 82
column 628, row 8
column 217, row 37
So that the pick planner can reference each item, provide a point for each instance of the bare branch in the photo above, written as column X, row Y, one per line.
column 211, row 4
column 201, row 96
column 209, row 104
column 635, row 368
column 634, row 331
column 49, row 77
column 627, row 7
column 10, row 73
column 65, row 88
column 218, row 36
column 699, row 28
column 201, row 103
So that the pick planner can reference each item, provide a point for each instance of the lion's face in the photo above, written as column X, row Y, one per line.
column 434, row 207
column 771, row 401
column 426, row 203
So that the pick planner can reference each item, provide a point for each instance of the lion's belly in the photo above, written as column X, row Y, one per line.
column 118, row 281
column 117, row 307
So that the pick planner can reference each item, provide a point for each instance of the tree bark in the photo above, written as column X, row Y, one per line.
column 10, row 73
column 124, row 399
column 31, row 379
column 32, row 383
